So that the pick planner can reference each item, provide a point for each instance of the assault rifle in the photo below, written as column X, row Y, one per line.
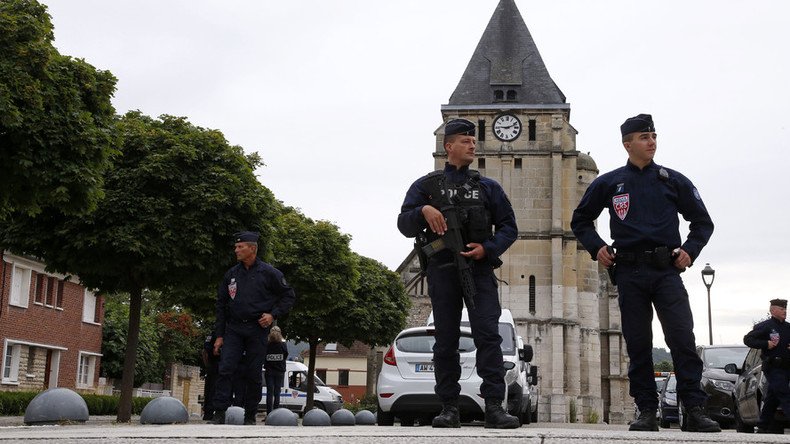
column 453, row 241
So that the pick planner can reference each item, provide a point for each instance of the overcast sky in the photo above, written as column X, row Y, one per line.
column 341, row 98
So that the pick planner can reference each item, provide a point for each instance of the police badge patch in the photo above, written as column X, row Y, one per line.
column 620, row 204
column 232, row 288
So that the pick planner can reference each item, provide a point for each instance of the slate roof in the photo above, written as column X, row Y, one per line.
column 506, row 58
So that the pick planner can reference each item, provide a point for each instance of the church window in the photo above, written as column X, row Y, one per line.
column 499, row 95
column 517, row 164
column 481, row 164
column 481, row 130
column 511, row 95
column 532, row 294
column 532, row 129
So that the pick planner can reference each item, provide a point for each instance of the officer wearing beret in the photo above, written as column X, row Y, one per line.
column 251, row 296
column 485, row 204
column 772, row 336
column 644, row 200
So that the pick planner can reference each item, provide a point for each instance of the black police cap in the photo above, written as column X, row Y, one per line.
column 779, row 302
column 459, row 126
column 643, row 123
column 246, row 236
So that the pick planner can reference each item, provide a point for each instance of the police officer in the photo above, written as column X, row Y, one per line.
column 644, row 200
column 772, row 336
column 250, row 297
column 211, row 364
column 485, row 204
column 276, row 355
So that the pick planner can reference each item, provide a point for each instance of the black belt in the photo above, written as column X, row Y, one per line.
column 659, row 257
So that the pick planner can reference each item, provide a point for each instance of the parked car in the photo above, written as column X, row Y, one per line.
column 717, row 383
column 750, row 387
column 668, row 402
column 293, row 394
column 405, row 388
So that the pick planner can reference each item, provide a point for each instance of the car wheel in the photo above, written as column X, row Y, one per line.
column 740, row 427
column 384, row 418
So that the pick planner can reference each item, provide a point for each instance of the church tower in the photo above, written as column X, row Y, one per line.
column 561, row 304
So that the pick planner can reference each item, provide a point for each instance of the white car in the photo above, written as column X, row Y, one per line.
column 406, row 383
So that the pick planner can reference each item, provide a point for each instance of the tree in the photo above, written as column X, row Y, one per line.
column 173, row 199
column 56, row 118
column 664, row 366
column 318, row 263
column 379, row 312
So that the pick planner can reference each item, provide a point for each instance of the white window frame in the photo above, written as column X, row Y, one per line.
column 20, row 286
column 11, row 362
column 86, row 371
column 89, row 301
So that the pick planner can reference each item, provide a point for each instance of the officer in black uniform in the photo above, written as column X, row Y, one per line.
column 644, row 200
column 772, row 336
column 250, row 297
column 484, row 204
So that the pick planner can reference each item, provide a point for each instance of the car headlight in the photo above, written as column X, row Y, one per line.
column 726, row 386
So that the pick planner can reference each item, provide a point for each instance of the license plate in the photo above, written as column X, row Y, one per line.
column 424, row 368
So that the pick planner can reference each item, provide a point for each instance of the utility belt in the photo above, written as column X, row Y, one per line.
column 233, row 320
column 659, row 257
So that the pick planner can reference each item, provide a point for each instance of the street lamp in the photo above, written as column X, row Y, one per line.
column 708, row 274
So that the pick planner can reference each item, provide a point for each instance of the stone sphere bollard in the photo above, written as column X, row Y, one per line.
column 234, row 415
column 56, row 405
column 281, row 417
column 164, row 410
column 365, row 417
column 343, row 417
column 316, row 417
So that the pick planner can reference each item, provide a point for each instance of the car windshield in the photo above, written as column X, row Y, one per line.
column 508, row 337
column 423, row 343
column 720, row 356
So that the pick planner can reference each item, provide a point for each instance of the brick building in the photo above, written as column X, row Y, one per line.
column 50, row 329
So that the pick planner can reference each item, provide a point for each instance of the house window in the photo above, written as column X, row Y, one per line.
column 20, row 286
column 321, row 373
column 342, row 377
column 11, row 363
column 85, row 370
column 52, row 289
column 59, row 298
column 41, row 288
column 89, row 307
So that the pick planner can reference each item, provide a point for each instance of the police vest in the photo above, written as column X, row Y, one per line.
column 468, row 197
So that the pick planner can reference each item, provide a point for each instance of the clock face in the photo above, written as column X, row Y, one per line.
column 507, row 127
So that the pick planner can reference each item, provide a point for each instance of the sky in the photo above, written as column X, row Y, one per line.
column 341, row 99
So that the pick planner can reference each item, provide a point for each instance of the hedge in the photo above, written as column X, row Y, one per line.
column 15, row 403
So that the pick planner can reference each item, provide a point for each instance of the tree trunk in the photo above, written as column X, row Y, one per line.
column 130, row 358
column 311, row 376
column 372, row 372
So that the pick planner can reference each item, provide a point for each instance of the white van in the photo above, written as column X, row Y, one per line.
column 293, row 394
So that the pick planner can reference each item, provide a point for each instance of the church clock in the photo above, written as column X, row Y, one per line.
column 507, row 127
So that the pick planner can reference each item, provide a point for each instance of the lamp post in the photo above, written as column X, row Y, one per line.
column 708, row 274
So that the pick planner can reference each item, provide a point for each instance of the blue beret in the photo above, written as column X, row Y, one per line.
column 459, row 126
column 246, row 236
column 642, row 123
column 779, row 302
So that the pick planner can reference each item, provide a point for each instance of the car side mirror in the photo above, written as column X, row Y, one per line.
column 509, row 365
column 533, row 375
column 732, row 369
column 526, row 354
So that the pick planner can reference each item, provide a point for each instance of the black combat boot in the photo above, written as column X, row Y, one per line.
column 698, row 421
column 497, row 417
column 219, row 417
column 448, row 418
column 646, row 422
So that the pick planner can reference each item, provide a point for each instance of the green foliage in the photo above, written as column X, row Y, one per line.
column 661, row 354
column 572, row 411
column 369, row 403
column 592, row 417
column 15, row 403
column 56, row 119
column 664, row 366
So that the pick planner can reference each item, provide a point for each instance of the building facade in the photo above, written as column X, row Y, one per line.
column 555, row 291
column 50, row 329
